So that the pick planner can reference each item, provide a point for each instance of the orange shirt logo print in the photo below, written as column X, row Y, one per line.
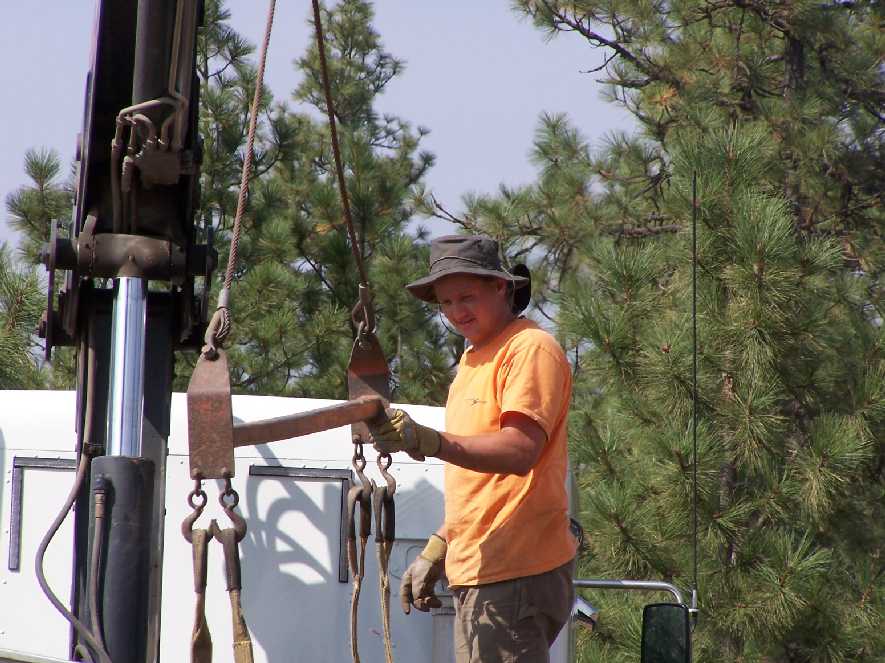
column 475, row 401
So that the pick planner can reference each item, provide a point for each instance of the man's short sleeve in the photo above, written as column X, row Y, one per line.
column 537, row 383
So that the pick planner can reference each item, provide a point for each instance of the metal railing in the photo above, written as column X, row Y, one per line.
column 640, row 585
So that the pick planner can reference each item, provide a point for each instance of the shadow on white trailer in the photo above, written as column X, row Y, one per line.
column 296, row 589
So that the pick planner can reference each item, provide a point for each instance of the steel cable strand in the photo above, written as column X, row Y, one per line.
column 336, row 153
column 81, row 629
column 694, row 369
column 220, row 325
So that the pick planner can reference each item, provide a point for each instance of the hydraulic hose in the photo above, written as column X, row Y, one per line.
column 95, row 559
column 101, row 656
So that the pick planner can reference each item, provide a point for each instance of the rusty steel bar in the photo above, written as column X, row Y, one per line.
column 305, row 423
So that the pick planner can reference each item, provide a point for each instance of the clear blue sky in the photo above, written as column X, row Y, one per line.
column 477, row 76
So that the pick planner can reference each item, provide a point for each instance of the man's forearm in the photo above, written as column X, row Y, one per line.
column 507, row 451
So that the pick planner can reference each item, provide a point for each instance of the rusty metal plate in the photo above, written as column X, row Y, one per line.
column 210, row 419
column 367, row 375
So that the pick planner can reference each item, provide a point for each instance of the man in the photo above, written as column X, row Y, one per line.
column 506, row 544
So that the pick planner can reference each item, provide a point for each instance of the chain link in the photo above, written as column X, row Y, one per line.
column 197, row 492
column 228, row 498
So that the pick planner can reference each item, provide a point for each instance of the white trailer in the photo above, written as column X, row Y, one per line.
column 296, row 589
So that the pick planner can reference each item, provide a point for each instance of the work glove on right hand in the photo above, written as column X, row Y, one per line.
column 397, row 431
column 420, row 578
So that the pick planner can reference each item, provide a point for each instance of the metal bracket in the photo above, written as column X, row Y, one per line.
column 367, row 376
column 210, row 419
column 19, row 465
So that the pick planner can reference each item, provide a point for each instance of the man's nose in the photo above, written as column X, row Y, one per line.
column 456, row 311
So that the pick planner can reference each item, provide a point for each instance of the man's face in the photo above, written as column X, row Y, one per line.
column 476, row 307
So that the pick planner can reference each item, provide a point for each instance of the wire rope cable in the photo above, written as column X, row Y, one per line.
column 220, row 325
column 694, row 375
column 336, row 149
column 246, row 175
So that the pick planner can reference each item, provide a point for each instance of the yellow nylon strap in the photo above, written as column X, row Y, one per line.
column 201, row 640
column 357, row 569
column 384, row 550
column 242, row 639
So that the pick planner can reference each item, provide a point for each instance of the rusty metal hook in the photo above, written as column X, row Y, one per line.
column 384, row 462
column 382, row 502
column 385, row 515
column 187, row 525
column 358, row 495
column 359, row 465
column 229, row 499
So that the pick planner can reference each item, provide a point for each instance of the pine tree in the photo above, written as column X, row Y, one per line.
column 778, row 109
column 21, row 303
column 32, row 209
column 297, row 281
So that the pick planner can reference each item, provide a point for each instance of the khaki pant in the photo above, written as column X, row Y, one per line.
column 514, row 621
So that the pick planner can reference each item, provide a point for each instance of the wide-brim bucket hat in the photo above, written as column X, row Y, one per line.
column 476, row 255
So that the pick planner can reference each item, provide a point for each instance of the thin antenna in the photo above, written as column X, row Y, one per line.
column 694, row 380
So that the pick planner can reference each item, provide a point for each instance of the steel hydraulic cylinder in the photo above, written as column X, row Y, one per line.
column 126, row 411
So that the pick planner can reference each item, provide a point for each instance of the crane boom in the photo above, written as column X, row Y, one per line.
column 133, row 224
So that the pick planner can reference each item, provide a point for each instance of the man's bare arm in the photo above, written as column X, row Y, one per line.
column 513, row 450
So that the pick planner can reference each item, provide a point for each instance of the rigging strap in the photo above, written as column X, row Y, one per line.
column 360, row 495
column 385, row 534
column 201, row 639
column 230, row 539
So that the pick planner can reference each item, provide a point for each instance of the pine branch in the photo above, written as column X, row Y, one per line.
column 647, row 67
column 647, row 231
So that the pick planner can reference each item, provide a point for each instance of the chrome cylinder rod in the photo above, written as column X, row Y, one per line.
column 126, row 406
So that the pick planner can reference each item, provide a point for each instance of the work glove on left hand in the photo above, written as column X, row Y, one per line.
column 419, row 581
column 397, row 431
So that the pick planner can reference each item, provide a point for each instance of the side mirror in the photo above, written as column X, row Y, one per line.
column 666, row 634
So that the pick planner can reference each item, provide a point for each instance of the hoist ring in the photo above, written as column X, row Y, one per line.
column 387, row 459
column 197, row 493
column 234, row 495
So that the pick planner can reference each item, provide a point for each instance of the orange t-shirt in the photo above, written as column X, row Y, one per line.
column 504, row 526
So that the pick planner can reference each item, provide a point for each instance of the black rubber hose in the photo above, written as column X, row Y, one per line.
column 82, row 631
column 95, row 558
